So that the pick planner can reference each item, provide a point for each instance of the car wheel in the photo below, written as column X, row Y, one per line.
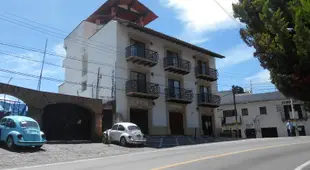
column 123, row 141
column 10, row 143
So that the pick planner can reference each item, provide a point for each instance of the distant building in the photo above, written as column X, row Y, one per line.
column 260, row 115
column 161, row 83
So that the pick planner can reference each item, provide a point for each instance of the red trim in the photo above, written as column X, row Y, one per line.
column 108, row 9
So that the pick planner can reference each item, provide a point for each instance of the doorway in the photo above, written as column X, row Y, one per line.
column 301, row 131
column 250, row 133
column 140, row 48
column 176, row 123
column 269, row 132
column 140, row 79
column 140, row 118
column 207, row 125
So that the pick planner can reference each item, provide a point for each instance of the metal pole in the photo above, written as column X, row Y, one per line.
column 97, row 88
column 235, row 107
column 39, row 83
column 293, row 115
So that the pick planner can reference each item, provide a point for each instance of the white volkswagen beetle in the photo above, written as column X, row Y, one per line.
column 124, row 133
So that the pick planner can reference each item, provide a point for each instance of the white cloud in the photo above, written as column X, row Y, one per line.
column 261, row 77
column 59, row 49
column 203, row 15
column 236, row 55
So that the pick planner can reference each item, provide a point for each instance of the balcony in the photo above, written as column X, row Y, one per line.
column 141, row 56
column 145, row 90
column 178, row 66
column 179, row 95
column 210, row 74
column 209, row 100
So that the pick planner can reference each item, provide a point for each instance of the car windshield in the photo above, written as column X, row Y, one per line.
column 28, row 124
column 132, row 128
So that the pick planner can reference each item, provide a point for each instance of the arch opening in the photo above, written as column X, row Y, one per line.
column 11, row 105
column 65, row 121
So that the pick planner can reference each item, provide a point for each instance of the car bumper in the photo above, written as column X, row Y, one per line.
column 30, row 143
column 140, row 141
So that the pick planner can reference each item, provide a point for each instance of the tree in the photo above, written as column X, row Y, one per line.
column 279, row 30
column 238, row 89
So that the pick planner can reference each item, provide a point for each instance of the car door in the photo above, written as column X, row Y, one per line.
column 112, row 132
column 9, row 126
column 119, row 132
column 2, row 125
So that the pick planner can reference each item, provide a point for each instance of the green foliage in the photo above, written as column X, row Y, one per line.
column 279, row 30
column 238, row 89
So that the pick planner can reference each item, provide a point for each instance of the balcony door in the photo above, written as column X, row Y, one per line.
column 139, row 48
column 174, row 88
column 140, row 81
column 202, row 67
column 173, row 58
column 204, row 93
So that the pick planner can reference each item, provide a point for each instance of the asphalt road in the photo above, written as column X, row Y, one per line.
column 254, row 154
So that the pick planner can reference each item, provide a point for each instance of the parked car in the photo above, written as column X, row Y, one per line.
column 124, row 133
column 21, row 131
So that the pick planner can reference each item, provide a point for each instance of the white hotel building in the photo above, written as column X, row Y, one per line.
column 165, row 85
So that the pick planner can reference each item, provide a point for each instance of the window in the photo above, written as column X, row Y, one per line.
column 297, row 109
column 133, row 128
column 29, row 124
column 204, row 93
column 263, row 110
column 173, row 58
column 114, row 127
column 245, row 112
column 3, row 121
column 10, row 123
column 174, row 87
column 84, row 85
column 202, row 67
column 121, row 128
column 140, row 78
column 228, row 113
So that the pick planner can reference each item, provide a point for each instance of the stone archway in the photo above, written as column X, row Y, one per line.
column 65, row 121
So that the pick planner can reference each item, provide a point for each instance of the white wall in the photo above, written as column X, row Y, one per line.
column 160, row 76
column 272, row 119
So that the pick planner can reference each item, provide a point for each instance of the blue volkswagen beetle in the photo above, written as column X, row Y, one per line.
column 21, row 131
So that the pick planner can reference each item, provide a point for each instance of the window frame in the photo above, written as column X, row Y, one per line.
column 245, row 112
column 260, row 110
column 121, row 126
column 115, row 126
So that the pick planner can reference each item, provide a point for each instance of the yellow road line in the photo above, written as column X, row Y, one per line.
column 225, row 154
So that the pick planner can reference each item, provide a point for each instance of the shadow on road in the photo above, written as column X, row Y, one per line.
column 22, row 149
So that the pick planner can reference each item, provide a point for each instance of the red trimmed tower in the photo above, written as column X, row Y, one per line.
column 129, row 10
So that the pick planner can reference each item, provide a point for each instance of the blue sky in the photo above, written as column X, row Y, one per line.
column 200, row 22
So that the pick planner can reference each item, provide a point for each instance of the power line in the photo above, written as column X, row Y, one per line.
column 231, row 17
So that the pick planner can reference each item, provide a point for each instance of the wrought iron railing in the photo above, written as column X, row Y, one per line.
column 176, row 62
column 211, row 72
column 141, row 52
column 207, row 98
column 142, row 87
column 179, row 93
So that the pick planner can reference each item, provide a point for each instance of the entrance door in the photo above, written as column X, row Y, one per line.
column 140, row 79
column 173, row 58
column 176, row 123
column 140, row 118
column 269, row 132
column 207, row 125
column 301, row 131
column 174, row 88
column 250, row 133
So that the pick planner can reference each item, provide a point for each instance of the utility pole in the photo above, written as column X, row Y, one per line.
column 293, row 114
column 97, row 88
column 251, row 87
column 39, row 83
column 235, row 107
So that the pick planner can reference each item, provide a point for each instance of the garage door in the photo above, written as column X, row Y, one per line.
column 269, row 132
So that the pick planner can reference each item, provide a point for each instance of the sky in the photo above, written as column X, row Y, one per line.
column 205, row 23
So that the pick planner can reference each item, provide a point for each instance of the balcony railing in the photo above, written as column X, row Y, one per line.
column 141, row 89
column 211, row 100
column 209, row 74
column 141, row 56
column 179, row 95
column 176, row 65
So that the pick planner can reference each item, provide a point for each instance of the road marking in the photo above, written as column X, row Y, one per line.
column 226, row 154
column 148, row 152
column 301, row 167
